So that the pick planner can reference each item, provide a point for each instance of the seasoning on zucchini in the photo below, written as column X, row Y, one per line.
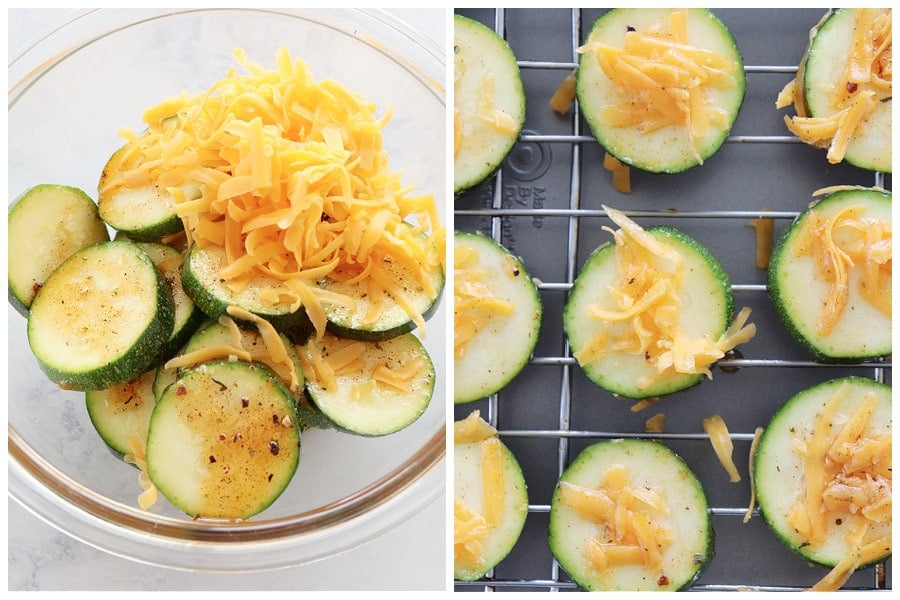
column 630, row 515
column 368, row 388
column 46, row 225
column 843, row 88
column 223, row 441
column 121, row 414
column 496, row 319
column 488, row 102
column 830, row 275
column 649, row 313
column 660, row 88
column 490, row 499
column 822, row 474
column 102, row 318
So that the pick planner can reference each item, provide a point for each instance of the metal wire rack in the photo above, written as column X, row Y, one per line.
column 545, row 204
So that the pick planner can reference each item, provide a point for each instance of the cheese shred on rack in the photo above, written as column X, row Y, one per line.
column 292, row 182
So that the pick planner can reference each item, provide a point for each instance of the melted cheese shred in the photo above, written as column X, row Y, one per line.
column 666, row 80
column 138, row 458
column 867, row 79
column 847, row 474
column 293, row 183
column 471, row 528
column 630, row 531
column 717, row 430
column 474, row 306
column 838, row 244
column 648, row 298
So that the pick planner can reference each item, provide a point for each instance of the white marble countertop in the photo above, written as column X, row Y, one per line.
column 410, row 557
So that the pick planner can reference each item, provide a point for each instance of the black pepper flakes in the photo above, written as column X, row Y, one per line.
column 273, row 447
column 212, row 458
column 245, row 402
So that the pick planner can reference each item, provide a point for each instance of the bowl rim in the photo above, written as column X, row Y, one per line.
column 210, row 545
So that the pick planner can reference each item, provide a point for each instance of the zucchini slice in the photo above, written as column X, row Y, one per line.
column 201, row 281
column 121, row 414
column 46, row 225
column 648, row 109
column 490, row 499
column 649, row 314
column 368, row 388
column 840, row 313
column 497, row 316
column 844, row 85
column 630, row 515
column 102, row 318
column 223, row 441
column 488, row 102
column 816, row 502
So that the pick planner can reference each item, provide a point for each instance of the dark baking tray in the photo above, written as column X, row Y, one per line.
column 544, row 204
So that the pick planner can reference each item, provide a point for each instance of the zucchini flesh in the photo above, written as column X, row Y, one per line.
column 667, row 148
column 223, row 442
column 489, row 102
column 121, row 414
column 799, row 290
column 102, row 318
column 780, row 470
column 650, row 467
column 705, row 296
column 469, row 494
column 46, row 225
column 500, row 348
column 385, row 388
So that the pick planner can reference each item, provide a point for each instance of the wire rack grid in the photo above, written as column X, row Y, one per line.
column 545, row 204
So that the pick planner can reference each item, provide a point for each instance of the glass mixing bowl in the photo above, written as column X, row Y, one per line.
column 69, row 94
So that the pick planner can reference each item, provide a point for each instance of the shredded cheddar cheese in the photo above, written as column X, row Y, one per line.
column 289, row 177
column 648, row 298
column 846, row 241
column 715, row 427
column 753, row 446
column 564, row 95
column 666, row 80
column 138, row 458
column 475, row 307
column 621, row 173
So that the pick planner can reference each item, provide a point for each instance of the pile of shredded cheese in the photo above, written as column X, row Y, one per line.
column 629, row 520
column 846, row 477
column 475, row 306
column 469, row 527
column 867, row 79
column 665, row 80
column 292, row 182
column 838, row 244
column 648, row 296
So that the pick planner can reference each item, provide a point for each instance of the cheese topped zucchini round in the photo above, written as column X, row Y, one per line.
column 660, row 88
column 842, row 91
column 822, row 473
column 489, row 496
column 497, row 316
column 649, row 314
column 630, row 515
column 488, row 102
column 830, row 275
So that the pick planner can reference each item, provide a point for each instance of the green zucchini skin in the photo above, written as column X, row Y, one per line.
column 45, row 225
column 707, row 280
column 499, row 352
column 71, row 320
column 665, row 150
column 223, row 440
column 479, row 51
column 122, row 411
column 656, row 467
column 796, row 293
column 778, row 471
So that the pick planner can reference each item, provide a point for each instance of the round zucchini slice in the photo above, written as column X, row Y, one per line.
column 648, row 323
column 663, row 542
column 102, row 318
column 369, row 388
column 490, row 499
column 488, row 102
column 46, row 225
column 121, row 414
column 843, row 313
column 660, row 111
column 822, row 472
column 828, row 88
column 223, row 441
column 497, row 316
